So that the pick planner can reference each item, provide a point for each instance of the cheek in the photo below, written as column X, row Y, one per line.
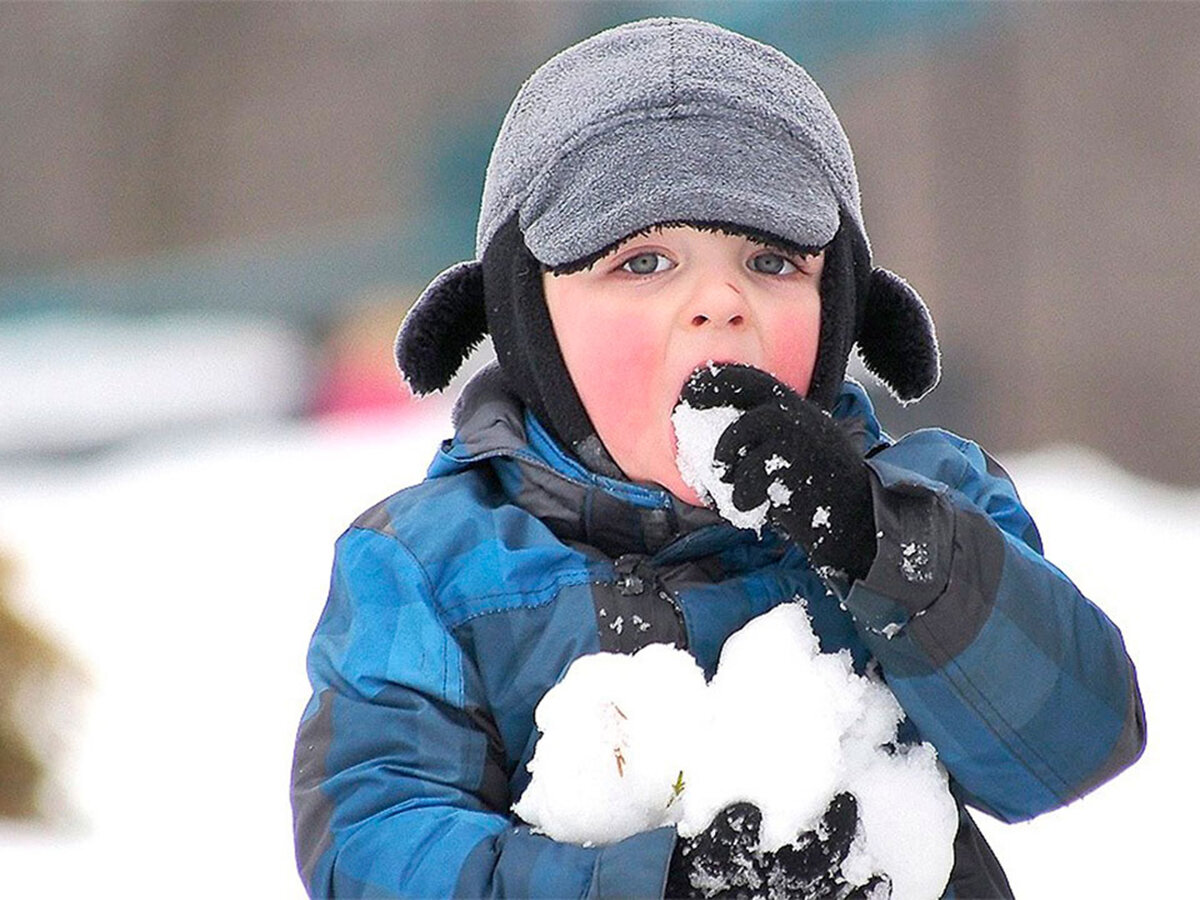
column 791, row 349
column 612, row 375
column 612, row 362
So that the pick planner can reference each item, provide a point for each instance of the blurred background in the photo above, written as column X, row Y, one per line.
column 213, row 217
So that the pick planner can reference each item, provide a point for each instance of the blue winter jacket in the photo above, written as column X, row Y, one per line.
column 457, row 603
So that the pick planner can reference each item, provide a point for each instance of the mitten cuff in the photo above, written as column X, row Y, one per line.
column 915, row 543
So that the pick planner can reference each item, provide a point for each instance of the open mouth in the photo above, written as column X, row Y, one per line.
column 709, row 364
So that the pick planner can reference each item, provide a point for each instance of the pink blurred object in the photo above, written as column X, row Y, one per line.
column 356, row 385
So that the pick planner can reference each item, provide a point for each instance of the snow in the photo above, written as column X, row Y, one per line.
column 75, row 383
column 914, row 562
column 187, row 580
column 778, row 494
column 820, row 517
column 188, row 577
column 631, row 743
column 775, row 463
column 696, row 434
column 607, row 763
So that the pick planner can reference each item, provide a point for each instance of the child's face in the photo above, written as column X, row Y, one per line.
column 635, row 325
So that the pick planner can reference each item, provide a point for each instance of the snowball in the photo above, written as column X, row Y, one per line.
column 907, row 822
column 607, row 762
column 697, row 432
column 632, row 743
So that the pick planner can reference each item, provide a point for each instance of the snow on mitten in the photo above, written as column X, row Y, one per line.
column 786, row 452
column 724, row 860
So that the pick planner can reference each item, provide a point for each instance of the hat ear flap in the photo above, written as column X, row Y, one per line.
column 896, row 339
column 446, row 323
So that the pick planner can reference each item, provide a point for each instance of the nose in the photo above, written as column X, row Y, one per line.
column 718, row 304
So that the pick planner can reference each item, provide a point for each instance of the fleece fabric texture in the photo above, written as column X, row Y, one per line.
column 454, row 605
column 666, row 119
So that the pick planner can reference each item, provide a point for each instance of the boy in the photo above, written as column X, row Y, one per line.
column 671, row 214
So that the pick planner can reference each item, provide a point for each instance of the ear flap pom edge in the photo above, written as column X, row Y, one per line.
column 896, row 340
column 443, row 327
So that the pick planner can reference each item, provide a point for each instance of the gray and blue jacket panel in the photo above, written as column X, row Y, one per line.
column 456, row 604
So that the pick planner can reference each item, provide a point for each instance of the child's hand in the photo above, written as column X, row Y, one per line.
column 725, row 859
column 787, row 452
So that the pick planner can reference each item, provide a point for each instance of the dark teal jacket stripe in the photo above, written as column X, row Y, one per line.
column 1020, row 682
column 454, row 606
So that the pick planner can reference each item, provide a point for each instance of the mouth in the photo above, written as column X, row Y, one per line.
column 710, row 365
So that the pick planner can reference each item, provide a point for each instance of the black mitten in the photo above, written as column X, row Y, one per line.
column 724, row 860
column 786, row 451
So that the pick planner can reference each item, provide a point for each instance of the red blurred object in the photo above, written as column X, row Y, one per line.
column 357, row 376
column 355, row 386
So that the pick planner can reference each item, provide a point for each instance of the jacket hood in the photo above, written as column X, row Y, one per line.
column 493, row 427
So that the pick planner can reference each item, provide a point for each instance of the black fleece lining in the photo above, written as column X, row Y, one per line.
column 526, row 346
column 847, row 265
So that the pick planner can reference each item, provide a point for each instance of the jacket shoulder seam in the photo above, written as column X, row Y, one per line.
column 393, row 538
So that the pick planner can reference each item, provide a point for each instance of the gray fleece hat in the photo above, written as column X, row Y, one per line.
column 664, row 121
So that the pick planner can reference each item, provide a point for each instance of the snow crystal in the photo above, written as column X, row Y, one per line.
column 914, row 562
column 820, row 517
column 697, row 432
column 779, row 494
column 775, row 463
column 632, row 743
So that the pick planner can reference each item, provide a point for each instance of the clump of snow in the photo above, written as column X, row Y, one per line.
column 631, row 743
column 697, row 432
column 775, row 463
column 607, row 762
column 914, row 562
column 820, row 517
column 778, row 494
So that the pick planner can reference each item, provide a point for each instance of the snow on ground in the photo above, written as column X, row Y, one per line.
column 188, row 582
column 188, row 579
column 77, row 382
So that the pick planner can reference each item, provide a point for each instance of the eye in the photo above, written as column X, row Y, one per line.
column 647, row 263
column 771, row 263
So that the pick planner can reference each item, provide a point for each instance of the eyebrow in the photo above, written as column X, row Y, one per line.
column 754, row 235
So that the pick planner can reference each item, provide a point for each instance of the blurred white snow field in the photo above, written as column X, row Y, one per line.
column 77, row 383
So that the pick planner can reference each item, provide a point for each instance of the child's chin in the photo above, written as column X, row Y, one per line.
column 684, row 493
